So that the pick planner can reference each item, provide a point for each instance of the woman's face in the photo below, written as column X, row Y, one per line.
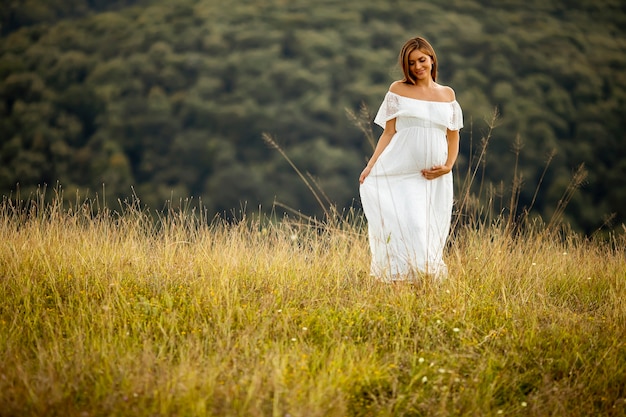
column 420, row 64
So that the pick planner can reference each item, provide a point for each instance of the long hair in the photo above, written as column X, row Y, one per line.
column 411, row 45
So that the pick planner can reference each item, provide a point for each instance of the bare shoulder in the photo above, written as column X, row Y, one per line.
column 446, row 93
column 397, row 87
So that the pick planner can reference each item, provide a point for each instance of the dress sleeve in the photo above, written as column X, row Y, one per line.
column 456, row 118
column 388, row 110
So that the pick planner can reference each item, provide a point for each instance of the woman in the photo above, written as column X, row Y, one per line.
column 406, row 187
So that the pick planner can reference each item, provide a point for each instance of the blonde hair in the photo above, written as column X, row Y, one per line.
column 423, row 46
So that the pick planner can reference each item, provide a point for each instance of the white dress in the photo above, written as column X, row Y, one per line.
column 409, row 216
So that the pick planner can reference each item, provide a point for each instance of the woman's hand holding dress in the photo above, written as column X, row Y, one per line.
column 366, row 171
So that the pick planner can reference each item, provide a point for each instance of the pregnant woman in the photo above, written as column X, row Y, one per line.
column 406, row 187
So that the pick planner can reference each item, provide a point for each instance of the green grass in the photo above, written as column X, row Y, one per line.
column 114, row 314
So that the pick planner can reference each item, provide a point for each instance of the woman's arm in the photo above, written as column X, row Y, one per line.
column 453, row 148
column 383, row 141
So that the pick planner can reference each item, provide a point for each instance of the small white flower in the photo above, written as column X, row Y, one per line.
column 533, row 264
column 424, row 379
column 305, row 329
column 438, row 321
column 280, row 310
column 456, row 330
column 500, row 412
column 442, row 371
column 524, row 404
column 293, row 339
column 421, row 360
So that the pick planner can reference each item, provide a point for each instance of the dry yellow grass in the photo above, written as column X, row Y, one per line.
column 121, row 314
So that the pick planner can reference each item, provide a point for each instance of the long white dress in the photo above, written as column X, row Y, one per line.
column 409, row 216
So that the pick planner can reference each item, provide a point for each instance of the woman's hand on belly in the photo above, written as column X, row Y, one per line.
column 435, row 172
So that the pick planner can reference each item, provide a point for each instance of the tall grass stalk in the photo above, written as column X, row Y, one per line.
column 121, row 312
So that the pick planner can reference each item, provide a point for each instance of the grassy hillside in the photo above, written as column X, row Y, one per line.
column 109, row 313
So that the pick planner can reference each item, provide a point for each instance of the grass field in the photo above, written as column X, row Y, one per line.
column 109, row 313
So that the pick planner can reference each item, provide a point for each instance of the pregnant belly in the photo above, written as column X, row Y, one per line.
column 411, row 150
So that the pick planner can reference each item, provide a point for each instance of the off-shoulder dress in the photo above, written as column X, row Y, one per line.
column 409, row 216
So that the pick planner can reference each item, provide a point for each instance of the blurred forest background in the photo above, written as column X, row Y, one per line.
column 171, row 98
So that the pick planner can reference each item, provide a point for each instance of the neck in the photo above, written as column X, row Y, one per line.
column 425, row 83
